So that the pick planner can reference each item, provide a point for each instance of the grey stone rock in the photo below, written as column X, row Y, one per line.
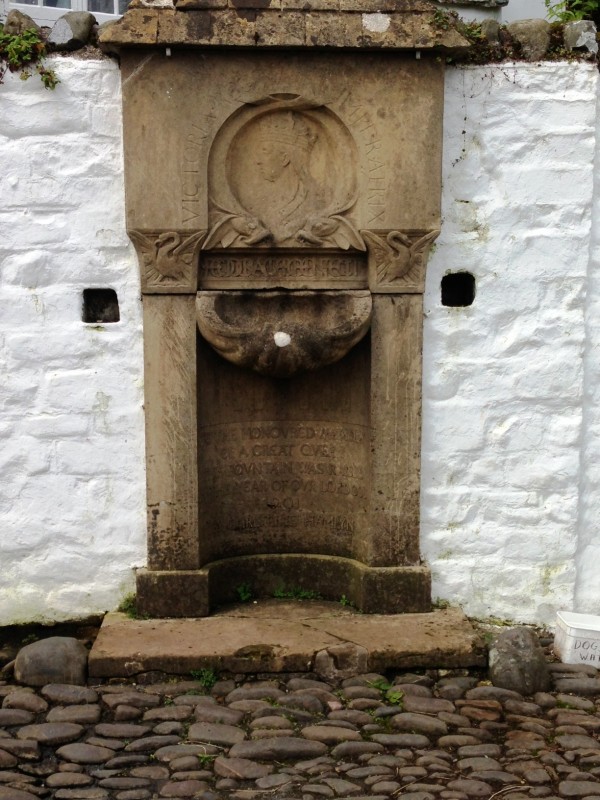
column 589, row 687
column 490, row 30
column 61, row 780
column 149, row 744
column 72, row 31
column 341, row 661
column 573, row 741
column 51, row 733
column 7, row 760
column 15, row 794
column 15, row 716
column 352, row 750
column 80, row 753
column 17, row 22
column 183, row 788
column 472, row 788
column 241, row 768
column 533, row 35
column 518, row 663
column 215, row 733
column 578, row 788
column 58, row 659
column 419, row 723
column 171, row 752
column 65, row 694
column 135, row 699
column 278, row 749
column 570, row 669
column 84, row 715
column 121, row 730
column 401, row 739
column 580, row 35
column 25, row 750
column 26, row 700
column 227, row 716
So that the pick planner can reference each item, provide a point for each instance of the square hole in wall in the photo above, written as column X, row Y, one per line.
column 458, row 289
column 100, row 305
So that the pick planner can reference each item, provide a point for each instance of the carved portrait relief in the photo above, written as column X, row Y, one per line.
column 282, row 173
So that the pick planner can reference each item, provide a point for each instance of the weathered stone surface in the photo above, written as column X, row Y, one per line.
column 216, row 733
column 438, row 637
column 341, row 661
column 277, row 749
column 588, row 687
column 57, row 659
column 15, row 794
column 579, row 789
column 68, row 779
column 15, row 716
column 517, row 662
column 329, row 734
column 84, row 715
column 580, row 34
column 241, row 768
column 51, row 733
column 286, row 210
column 533, row 36
column 26, row 700
column 84, row 753
column 314, row 329
column 7, row 760
column 210, row 22
column 66, row 694
column 419, row 723
column 71, row 31
column 16, row 23
column 490, row 29
column 121, row 730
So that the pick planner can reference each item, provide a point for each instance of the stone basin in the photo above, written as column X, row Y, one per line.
column 282, row 333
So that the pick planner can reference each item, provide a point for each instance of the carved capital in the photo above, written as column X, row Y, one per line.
column 168, row 260
column 397, row 260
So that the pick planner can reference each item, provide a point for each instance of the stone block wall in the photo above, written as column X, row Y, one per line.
column 511, row 386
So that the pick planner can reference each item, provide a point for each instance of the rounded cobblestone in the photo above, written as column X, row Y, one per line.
column 303, row 739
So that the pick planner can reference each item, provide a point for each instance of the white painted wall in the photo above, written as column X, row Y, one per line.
column 71, row 419
column 511, row 452
column 513, row 11
column 511, row 388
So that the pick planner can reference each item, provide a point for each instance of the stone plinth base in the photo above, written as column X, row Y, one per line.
column 372, row 590
column 285, row 636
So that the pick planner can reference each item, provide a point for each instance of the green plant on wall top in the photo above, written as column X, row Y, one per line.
column 573, row 10
column 24, row 53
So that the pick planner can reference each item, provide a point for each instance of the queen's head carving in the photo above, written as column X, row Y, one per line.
column 278, row 171
column 285, row 189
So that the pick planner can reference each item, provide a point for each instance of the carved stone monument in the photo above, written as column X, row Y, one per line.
column 282, row 195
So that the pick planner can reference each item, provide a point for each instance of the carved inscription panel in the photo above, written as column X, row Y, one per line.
column 299, row 270
column 283, row 465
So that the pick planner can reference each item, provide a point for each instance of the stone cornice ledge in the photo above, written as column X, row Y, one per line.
column 354, row 24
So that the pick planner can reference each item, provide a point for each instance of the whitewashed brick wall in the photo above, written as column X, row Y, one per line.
column 511, row 452
column 511, row 384
column 71, row 418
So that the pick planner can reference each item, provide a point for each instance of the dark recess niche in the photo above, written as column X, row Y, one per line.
column 458, row 289
column 100, row 305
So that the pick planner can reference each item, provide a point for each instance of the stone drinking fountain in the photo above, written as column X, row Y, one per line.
column 283, row 168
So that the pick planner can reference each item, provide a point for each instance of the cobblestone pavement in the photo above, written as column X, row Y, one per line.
column 420, row 737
